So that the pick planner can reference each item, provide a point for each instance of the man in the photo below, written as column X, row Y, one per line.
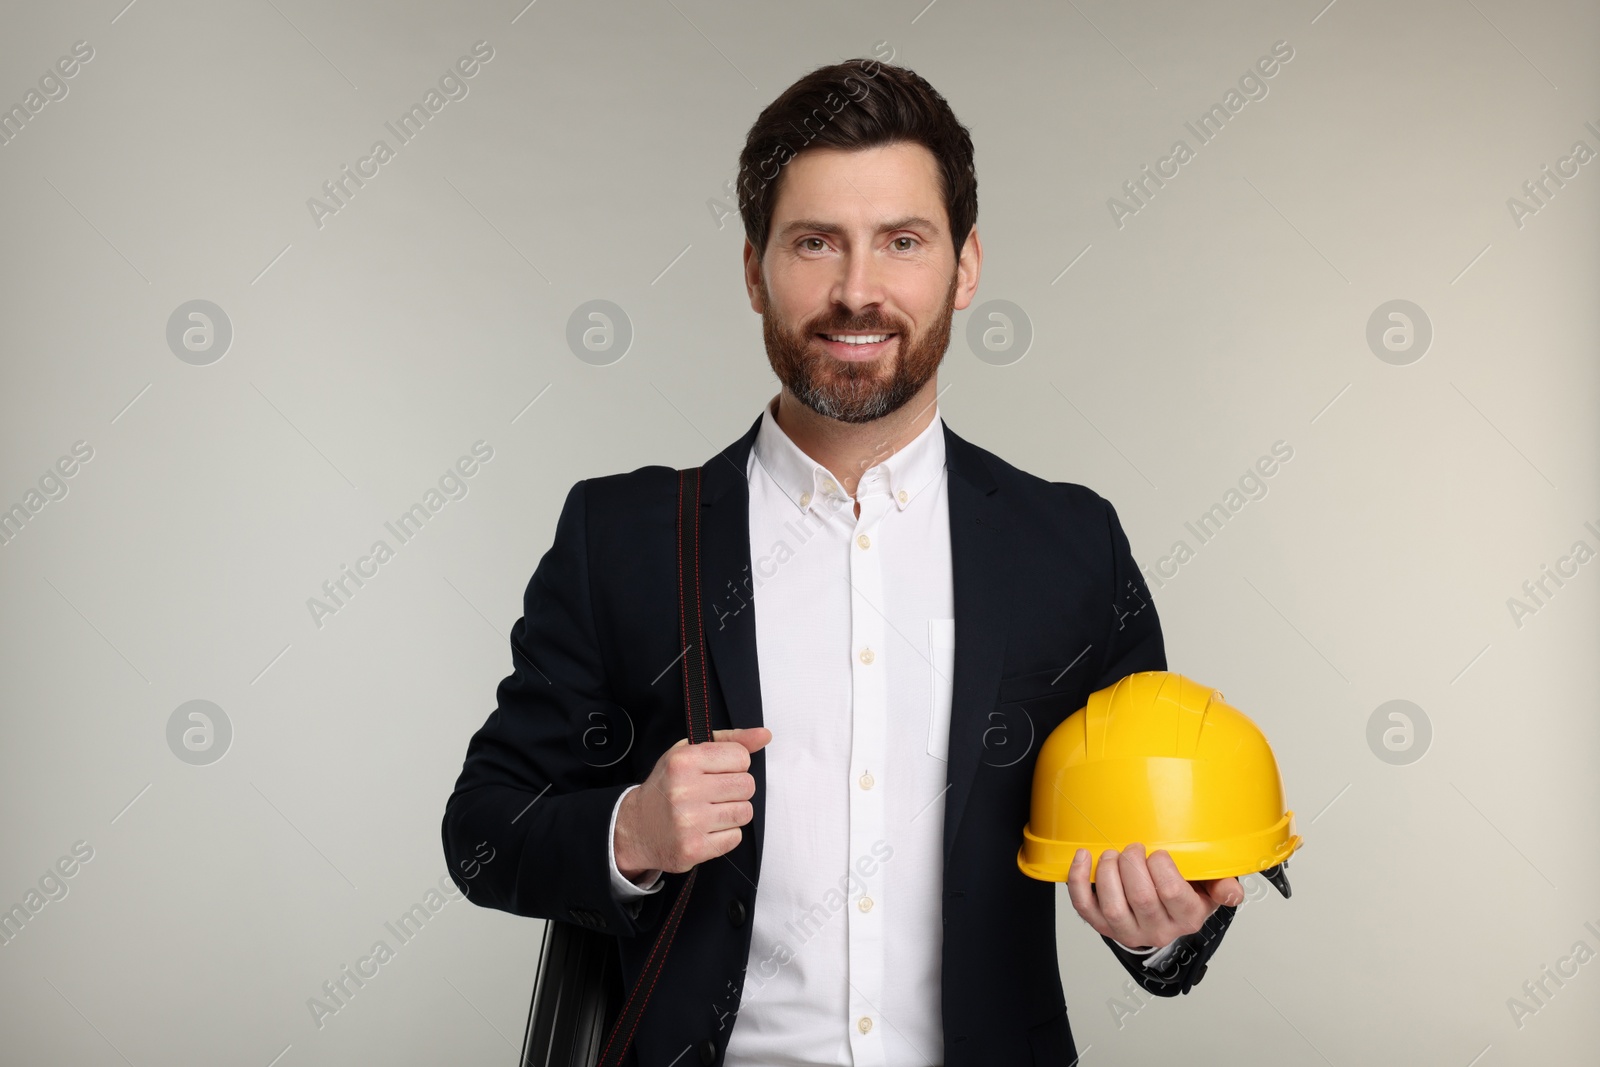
column 895, row 620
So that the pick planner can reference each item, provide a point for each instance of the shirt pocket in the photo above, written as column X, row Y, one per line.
column 942, row 661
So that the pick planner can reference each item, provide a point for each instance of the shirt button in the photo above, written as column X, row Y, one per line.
column 864, row 541
column 866, row 780
column 867, row 655
column 828, row 485
column 865, row 904
column 805, row 498
column 903, row 495
column 864, row 1023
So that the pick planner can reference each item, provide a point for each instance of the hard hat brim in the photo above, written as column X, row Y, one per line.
column 1049, row 860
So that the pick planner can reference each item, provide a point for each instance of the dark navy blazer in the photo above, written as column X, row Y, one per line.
column 1049, row 607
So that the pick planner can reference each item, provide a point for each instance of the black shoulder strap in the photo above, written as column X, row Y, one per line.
column 691, row 634
column 691, row 628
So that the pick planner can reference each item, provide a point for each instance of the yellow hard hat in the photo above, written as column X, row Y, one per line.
column 1161, row 760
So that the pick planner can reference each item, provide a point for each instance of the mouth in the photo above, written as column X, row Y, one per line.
column 856, row 346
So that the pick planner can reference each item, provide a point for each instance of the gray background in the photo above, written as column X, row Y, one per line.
column 430, row 312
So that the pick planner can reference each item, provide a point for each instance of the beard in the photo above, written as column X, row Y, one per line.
column 855, row 391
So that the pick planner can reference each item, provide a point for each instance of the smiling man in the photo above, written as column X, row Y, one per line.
column 909, row 616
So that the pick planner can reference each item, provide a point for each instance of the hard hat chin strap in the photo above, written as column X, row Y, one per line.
column 1278, row 875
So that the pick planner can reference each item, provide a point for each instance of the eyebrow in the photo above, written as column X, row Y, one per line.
column 909, row 222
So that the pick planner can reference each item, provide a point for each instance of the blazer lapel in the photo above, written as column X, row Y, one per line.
column 728, row 604
column 977, row 558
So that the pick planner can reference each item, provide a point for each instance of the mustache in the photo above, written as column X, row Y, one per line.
column 857, row 324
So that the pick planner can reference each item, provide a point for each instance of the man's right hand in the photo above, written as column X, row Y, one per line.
column 691, row 807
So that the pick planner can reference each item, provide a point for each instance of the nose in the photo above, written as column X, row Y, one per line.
column 860, row 282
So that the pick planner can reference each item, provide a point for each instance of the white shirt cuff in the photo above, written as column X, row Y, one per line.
column 1153, row 957
column 621, row 887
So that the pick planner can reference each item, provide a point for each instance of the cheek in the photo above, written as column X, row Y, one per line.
column 926, row 305
column 799, row 299
column 798, row 314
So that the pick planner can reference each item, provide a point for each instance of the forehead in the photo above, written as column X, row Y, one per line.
column 890, row 180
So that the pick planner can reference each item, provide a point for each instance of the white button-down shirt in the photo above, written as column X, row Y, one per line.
column 855, row 638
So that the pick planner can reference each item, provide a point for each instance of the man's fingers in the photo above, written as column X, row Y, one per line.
column 1140, row 900
column 1183, row 903
column 715, row 757
column 1113, row 902
column 722, row 841
column 1177, row 895
column 722, row 788
column 700, row 799
column 1081, row 891
column 733, row 813
column 702, row 785
column 1147, row 905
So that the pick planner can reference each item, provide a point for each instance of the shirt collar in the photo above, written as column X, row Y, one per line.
column 904, row 475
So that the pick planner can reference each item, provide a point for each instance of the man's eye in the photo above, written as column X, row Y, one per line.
column 909, row 242
column 806, row 243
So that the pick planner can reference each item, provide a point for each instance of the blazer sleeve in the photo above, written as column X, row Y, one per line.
column 527, row 827
column 1184, row 967
column 1133, row 630
column 1134, row 643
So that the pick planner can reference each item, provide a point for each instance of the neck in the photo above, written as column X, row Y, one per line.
column 849, row 449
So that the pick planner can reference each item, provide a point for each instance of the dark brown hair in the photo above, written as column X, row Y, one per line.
column 860, row 103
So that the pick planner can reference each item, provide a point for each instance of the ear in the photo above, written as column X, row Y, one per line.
column 968, row 267
column 752, row 277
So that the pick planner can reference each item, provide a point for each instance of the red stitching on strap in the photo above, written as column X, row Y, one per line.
column 679, row 906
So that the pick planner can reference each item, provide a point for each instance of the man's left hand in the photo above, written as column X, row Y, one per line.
column 1144, row 904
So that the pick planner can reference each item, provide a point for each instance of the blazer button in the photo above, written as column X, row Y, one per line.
column 708, row 1051
column 736, row 912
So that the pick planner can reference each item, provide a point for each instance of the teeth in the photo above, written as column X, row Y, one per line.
column 862, row 339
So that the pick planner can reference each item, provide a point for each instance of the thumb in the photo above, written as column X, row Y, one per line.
column 752, row 738
column 1227, row 891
